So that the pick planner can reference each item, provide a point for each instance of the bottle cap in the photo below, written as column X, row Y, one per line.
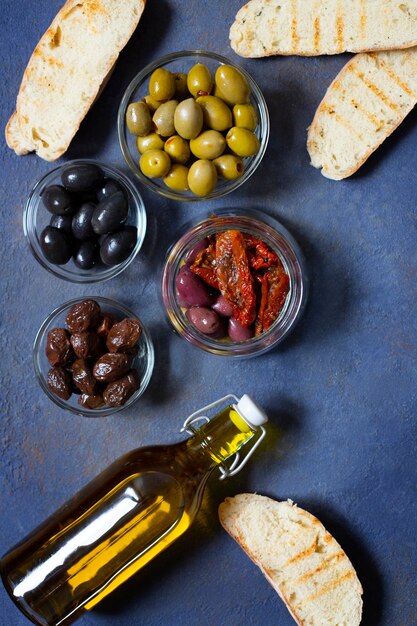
column 251, row 412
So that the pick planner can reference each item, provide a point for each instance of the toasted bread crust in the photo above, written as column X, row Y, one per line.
column 14, row 137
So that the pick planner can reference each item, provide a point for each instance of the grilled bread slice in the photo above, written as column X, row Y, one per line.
column 302, row 561
column 312, row 27
column 365, row 103
column 66, row 72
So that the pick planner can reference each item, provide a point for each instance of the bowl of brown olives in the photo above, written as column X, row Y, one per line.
column 193, row 126
column 234, row 284
column 85, row 221
column 93, row 356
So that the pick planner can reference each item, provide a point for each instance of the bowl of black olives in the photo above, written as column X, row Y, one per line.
column 193, row 126
column 85, row 221
column 93, row 356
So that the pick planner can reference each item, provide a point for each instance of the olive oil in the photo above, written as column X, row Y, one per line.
column 119, row 522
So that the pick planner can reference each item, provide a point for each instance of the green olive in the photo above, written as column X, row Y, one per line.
column 202, row 177
column 181, row 89
column 138, row 119
column 199, row 80
column 245, row 116
column 188, row 119
column 161, row 85
column 216, row 113
column 151, row 103
column 178, row 149
column 155, row 163
column 242, row 141
column 177, row 178
column 229, row 166
column 163, row 118
column 232, row 85
column 150, row 142
column 208, row 145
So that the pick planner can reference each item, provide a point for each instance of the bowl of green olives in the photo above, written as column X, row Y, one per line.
column 234, row 283
column 84, row 221
column 193, row 126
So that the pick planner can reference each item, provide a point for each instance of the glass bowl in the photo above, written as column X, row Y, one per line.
column 144, row 360
column 271, row 232
column 182, row 62
column 36, row 217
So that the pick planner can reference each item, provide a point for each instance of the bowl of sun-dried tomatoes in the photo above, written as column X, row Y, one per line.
column 234, row 284
column 93, row 356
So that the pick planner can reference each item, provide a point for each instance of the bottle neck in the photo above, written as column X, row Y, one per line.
column 219, row 439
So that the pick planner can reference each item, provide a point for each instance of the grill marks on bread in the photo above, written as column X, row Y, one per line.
column 312, row 27
column 365, row 103
column 301, row 560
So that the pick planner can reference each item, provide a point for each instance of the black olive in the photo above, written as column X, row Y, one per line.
column 55, row 245
column 110, row 214
column 87, row 256
column 109, row 187
column 57, row 200
column 116, row 247
column 81, row 222
column 62, row 222
column 82, row 177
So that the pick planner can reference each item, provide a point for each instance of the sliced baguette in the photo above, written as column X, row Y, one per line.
column 365, row 103
column 312, row 27
column 66, row 71
column 302, row 561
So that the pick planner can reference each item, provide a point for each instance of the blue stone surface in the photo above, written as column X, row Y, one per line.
column 341, row 391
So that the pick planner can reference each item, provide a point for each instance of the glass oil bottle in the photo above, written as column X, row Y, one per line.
column 126, row 516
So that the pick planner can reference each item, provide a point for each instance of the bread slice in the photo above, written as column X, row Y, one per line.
column 311, row 27
column 365, row 103
column 66, row 71
column 302, row 561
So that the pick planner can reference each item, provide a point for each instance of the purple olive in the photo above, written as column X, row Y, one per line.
column 222, row 307
column 183, row 302
column 221, row 332
column 237, row 332
column 192, row 254
column 203, row 319
column 191, row 289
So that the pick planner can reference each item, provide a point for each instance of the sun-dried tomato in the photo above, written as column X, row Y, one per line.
column 234, row 277
column 259, row 254
column 274, row 290
column 205, row 265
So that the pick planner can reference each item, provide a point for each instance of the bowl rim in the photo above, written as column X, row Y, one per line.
column 33, row 203
column 78, row 409
column 166, row 192
column 294, row 264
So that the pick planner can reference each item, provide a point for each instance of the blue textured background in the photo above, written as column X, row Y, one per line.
column 341, row 392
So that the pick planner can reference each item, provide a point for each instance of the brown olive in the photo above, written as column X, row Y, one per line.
column 106, row 323
column 59, row 382
column 85, row 344
column 111, row 367
column 124, row 335
column 58, row 348
column 82, row 377
column 83, row 316
column 117, row 392
column 91, row 401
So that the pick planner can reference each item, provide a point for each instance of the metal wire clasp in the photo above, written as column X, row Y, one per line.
column 237, row 464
